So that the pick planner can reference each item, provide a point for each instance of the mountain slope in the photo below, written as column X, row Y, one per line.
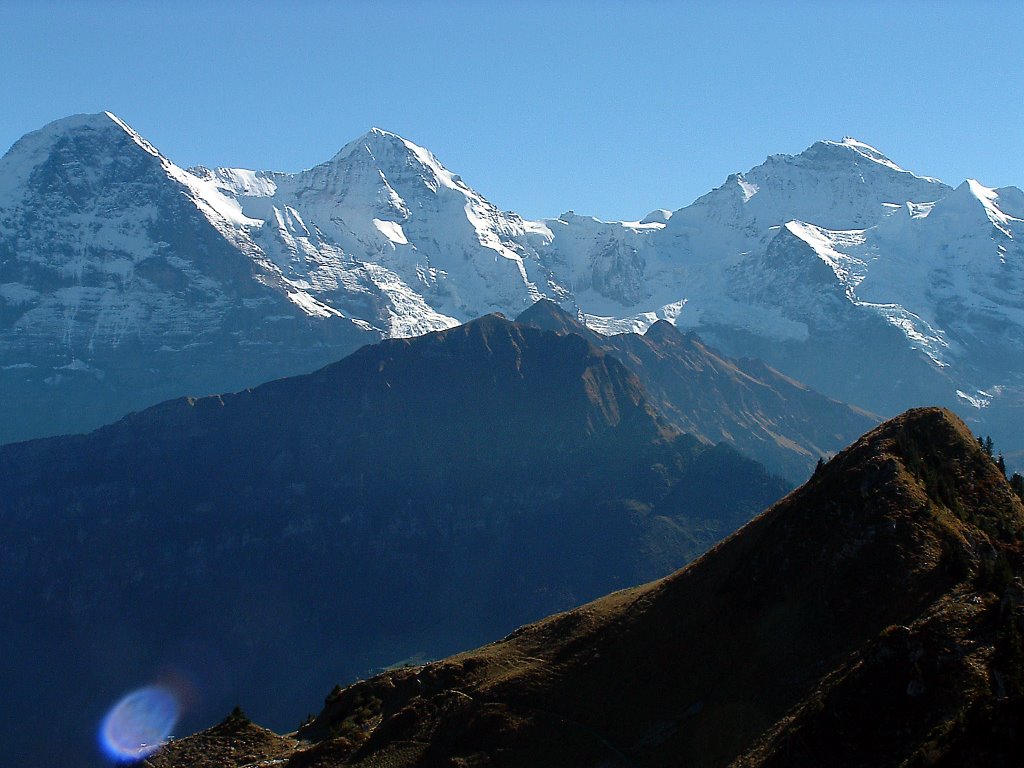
column 125, row 279
column 869, row 618
column 745, row 403
column 419, row 496
column 385, row 232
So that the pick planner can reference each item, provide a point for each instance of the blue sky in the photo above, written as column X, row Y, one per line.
column 608, row 108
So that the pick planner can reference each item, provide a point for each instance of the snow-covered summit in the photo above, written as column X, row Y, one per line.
column 835, row 264
column 90, row 156
column 69, row 140
column 386, row 150
column 839, row 185
column 99, row 123
column 384, row 221
column 83, row 138
column 970, row 204
column 870, row 153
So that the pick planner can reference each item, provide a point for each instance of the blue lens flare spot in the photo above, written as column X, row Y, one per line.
column 139, row 723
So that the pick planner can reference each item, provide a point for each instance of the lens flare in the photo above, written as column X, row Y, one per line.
column 139, row 723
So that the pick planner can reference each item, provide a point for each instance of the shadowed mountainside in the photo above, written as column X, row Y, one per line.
column 418, row 497
column 783, row 424
column 872, row 617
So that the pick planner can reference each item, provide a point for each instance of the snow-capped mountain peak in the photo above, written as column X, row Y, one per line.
column 781, row 261
column 77, row 139
column 840, row 185
column 89, row 156
column 970, row 204
column 870, row 153
column 384, row 221
column 69, row 142
column 852, row 149
column 393, row 155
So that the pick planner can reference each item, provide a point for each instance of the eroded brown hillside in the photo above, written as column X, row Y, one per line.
column 872, row 617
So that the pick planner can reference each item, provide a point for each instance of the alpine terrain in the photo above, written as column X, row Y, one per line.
column 873, row 617
column 419, row 497
column 125, row 279
column 771, row 418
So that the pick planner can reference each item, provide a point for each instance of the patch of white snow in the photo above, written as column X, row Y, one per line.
column 979, row 400
column 392, row 230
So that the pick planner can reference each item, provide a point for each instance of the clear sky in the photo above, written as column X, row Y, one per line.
column 607, row 108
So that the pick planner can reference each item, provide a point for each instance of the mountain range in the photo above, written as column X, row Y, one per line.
column 416, row 498
column 125, row 279
column 422, row 474
column 872, row 617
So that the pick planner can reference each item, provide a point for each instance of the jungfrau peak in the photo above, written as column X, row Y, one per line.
column 122, row 273
column 840, row 185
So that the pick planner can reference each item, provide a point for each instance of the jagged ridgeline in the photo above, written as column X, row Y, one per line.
column 779, row 422
column 417, row 498
column 126, row 280
column 874, row 616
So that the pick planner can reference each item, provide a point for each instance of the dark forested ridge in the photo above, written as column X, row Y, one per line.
column 416, row 498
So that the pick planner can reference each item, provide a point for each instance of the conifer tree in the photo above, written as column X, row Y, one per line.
column 1017, row 484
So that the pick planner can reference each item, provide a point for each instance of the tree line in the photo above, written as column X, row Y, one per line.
column 1016, row 480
